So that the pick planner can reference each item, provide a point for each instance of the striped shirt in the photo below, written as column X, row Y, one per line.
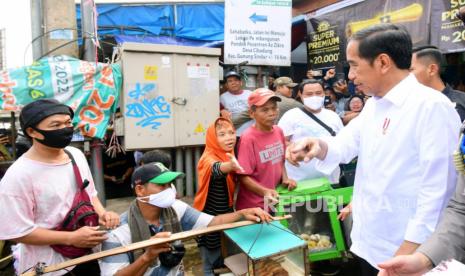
column 217, row 203
column 190, row 219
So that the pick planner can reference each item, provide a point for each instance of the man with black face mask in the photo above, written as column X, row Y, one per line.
column 37, row 191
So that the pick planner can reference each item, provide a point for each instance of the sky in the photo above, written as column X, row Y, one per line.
column 15, row 17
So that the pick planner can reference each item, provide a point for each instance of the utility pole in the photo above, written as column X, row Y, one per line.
column 56, row 19
column 87, row 28
column 37, row 28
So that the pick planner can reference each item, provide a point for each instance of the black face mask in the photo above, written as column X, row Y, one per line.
column 57, row 138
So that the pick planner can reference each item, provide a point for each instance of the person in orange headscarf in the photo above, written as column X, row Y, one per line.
column 216, row 170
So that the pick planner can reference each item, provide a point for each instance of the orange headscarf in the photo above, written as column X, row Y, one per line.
column 212, row 153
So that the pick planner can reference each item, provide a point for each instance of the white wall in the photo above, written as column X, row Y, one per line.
column 15, row 17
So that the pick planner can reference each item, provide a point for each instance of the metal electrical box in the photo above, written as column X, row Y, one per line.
column 170, row 94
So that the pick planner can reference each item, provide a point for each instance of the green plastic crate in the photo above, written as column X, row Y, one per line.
column 307, row 193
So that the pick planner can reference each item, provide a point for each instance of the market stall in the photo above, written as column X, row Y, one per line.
column 314, row 206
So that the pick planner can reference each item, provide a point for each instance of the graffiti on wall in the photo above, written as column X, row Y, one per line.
column 149, row 111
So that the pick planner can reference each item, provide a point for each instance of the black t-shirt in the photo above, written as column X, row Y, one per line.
column 458, row 98
column 116, row 167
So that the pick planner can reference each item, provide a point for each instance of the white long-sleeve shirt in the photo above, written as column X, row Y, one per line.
column 405, row 173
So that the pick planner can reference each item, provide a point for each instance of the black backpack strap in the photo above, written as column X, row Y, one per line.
column 325, row 126
column 77, row 174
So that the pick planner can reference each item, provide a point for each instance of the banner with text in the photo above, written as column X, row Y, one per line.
column 91, row 89
column 258, row 31
column 448, row 32
column 328, row 33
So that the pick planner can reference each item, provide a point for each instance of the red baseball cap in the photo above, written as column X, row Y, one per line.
column 260, row 96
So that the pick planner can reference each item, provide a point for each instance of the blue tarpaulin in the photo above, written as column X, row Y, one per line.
column 204, row 22
column 201, row 22
column 168, row 40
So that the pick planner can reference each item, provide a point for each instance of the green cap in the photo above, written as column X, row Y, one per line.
column 155, row 173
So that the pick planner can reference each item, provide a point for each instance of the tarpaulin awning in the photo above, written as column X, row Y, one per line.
column 199, row 25
column 167, row 40
column 203, row 22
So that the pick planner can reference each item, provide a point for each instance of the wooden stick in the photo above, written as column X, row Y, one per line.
column 6, row 258
column 142, row 244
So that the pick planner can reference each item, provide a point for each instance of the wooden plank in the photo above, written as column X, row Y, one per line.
column 142, row 244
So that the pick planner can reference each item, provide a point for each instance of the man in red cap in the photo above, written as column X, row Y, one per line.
column 261, row 153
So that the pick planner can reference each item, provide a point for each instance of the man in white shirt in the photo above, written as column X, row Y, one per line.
column 404, row 138
column 234, row 101
column 446, row 243
column 297, row 125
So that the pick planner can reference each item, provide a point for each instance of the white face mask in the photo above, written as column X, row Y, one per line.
column 163, row 199
column 314, row 102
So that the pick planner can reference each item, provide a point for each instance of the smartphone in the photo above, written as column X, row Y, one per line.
column 317, row 73
column 103, row 228
column 4, row 131
column 340, row 77
column 327, row 101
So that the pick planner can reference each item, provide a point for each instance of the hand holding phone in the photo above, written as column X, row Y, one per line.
column 317, row 73
column 103, row 228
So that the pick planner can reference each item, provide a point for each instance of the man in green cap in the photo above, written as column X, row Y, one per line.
column 156, row 213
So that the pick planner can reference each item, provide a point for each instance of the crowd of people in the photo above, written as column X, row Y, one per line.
column 405, row 174
column 394, row 114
